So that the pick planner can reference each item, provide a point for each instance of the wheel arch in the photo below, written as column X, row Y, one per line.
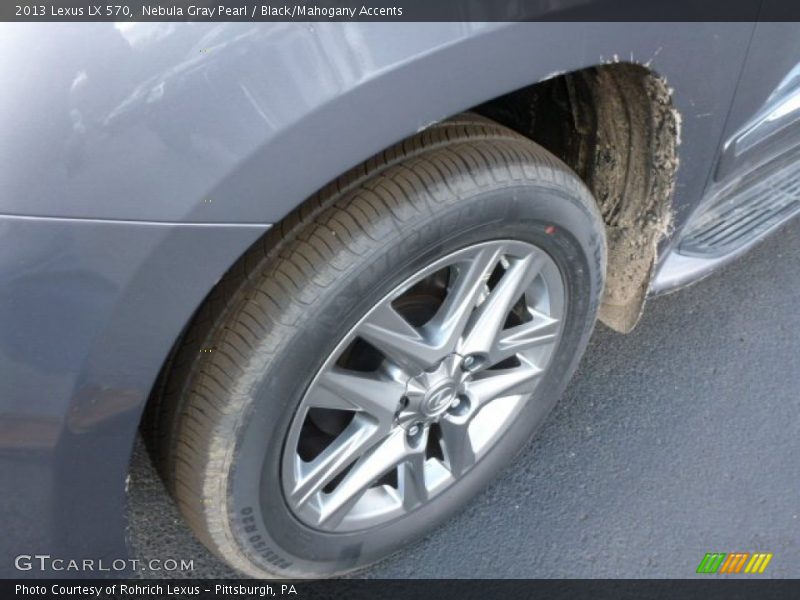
column 617, row 127
column 647, row 94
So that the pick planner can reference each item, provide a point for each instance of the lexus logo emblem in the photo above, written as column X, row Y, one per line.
column 439, row 399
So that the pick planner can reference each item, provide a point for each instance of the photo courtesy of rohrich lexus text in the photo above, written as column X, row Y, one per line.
column 400, row 299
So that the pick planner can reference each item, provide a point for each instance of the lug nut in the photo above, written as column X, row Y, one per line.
column 471, row 362
column 413, row 430
column 459, row 405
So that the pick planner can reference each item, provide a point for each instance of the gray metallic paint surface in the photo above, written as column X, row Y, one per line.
column 136, row 165
column 763, row 126
column 88, row 313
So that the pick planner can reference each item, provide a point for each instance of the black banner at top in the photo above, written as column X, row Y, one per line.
column 398, row 10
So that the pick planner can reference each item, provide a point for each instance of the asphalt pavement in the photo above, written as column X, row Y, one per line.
column 679, row 439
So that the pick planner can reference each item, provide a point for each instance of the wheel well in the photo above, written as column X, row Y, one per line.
column 616, row 127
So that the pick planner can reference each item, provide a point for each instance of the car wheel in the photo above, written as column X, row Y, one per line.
column 372, row 363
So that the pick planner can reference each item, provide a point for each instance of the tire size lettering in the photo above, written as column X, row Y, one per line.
column 249, row 525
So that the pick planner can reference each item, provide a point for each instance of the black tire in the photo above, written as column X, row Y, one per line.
column 230, row 391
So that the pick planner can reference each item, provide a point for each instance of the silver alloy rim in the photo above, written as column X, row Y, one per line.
column 422, row 386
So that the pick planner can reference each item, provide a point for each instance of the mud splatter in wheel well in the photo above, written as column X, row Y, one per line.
column 616, row 127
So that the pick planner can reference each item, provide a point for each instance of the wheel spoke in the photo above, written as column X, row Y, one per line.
column 456, row 444
column 449, row 321
column 412, row 480
column 357, row 437
column 400, row 341
column 437, row 358
column 491, row 315
column 348, row 390
column 370, row 467
column 501, row 383
column 541, row 330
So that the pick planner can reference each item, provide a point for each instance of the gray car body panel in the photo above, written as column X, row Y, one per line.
column 763, row 126
column 137, row 163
